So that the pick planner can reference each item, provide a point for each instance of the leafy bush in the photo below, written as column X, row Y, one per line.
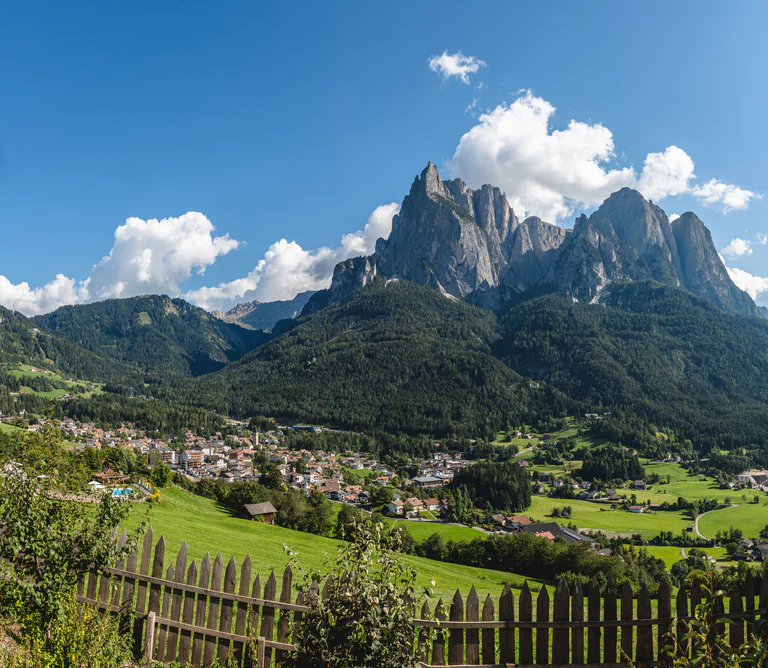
column 367, row 618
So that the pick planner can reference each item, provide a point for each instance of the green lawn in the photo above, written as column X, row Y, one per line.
column 52, row 394
column 207, row 526
column 750, row 518
column 671, row 555
column 422, row 530
column 589, row 515
column 7, row 427
column 688, row 486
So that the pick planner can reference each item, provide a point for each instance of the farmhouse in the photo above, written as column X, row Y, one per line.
column 395, row 507
column 260, row 511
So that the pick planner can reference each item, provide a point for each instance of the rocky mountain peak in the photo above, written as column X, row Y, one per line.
column 470, row 245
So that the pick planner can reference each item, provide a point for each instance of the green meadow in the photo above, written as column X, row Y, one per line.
column 750, row 518
column 209, row 527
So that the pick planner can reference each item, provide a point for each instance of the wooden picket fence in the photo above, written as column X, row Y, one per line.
column 194, row 615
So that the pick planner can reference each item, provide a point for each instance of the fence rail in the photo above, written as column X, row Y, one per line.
column 195, row 615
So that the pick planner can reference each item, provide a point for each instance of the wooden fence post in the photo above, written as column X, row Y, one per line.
column 664, row 610
column 209, row 646
column 736, row 635
column 593, row 612
column 120, row 565
column 681, row 610
column 268, row 615
column 253, row 613
column 227, row 607
column 200, row 611
column 473, row 635
column 422, row 649
column 542, row 633
column 438, row 644
column 526, row 615
column 150, row 639
column 187, row 615
column 489, row 635
column 162, row 632
column 173, row 633
column 577, row 633
column 284, row 623
column 609, row 614
column 506, row 636
column 141, row 592
column 242, row 608
column 560, row 613
column 627, row 614
column 456, row 636
column 644, row 631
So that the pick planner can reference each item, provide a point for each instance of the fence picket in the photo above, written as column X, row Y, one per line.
column 200, row 611
column 736, row 635
column 506, row 636
column 157, row 572
column 254, row 615
column 489, row 635
column 227, row 605
column 162, row 631
column 577, row 633
column 284, row 623
column 117, row 580
column 626, row 614
column 141, row 592
column 526, row 615
column 268, row 615
column 176, row 597
column 560, row 613
column 242, row 608
column 764, row 595
column 644, row 631
column 609, row 614
column 749, row 591
column 542, row 633
column 665, row 611
column 473, row 635
column 214, row 607
column 422, row 649
column 681, row 610
column 593, row 614
column 438, row 644
column 187, row 616
column 456, row 636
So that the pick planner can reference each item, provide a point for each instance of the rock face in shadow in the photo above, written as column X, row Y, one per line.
column 469, row 244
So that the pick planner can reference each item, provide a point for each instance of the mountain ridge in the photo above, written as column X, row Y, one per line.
column 471, row 245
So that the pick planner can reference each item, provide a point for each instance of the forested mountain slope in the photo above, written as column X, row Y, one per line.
column 658, row 352
column 22, row 342
column 395, row 356
column 154, row 334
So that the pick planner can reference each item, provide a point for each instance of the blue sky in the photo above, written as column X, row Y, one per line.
column 304, row 122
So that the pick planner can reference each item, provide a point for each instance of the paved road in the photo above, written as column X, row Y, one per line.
column 696, row 521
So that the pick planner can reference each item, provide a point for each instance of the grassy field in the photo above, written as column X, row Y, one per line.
column 671, row 555
column 750, row 518
column 589, row 515
column 207, row 526
column 688, row 486
column 7, row 427
column 422, row 530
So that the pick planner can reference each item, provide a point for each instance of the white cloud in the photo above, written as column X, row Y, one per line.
column 288, row 269
column 471, row 106
column 551, row 172
column 728, row 197
column 148, row 257
column 673, row 217
column 761, row 238
column 754, row 286
column 455, row 65
column 737, row 248
column 58, row 292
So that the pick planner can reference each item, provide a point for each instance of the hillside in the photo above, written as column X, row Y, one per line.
column 22, row 342
column 396, row 357
column 656, row 352
column 153, row 334
column 208, row 527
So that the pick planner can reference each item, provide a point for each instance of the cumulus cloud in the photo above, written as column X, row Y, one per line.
column 148, row 257
column 673, row 217
column 754, row 286
column 727, row 197
column 551, row 172
column 737, row 248
column 288, row 269
column 455, row 65
column 31, row 301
